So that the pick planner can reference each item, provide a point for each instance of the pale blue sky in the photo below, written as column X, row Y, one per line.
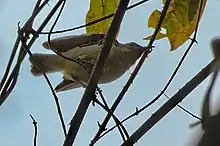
column 32, row 95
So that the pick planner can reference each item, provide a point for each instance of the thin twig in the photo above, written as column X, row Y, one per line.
column 138, row 135
column 193, row 40
column 90, row 89
column 184, row 109
column 51, row 45
column 37, row 5
column 14, row 50
column 35, row 130
column 117, row 122
column 51, row 88
column 95, row 21
column 136, row 113
column 136, row 70
column 76, row 61
column 14, row 74
column 166, row 86
column 170, row 104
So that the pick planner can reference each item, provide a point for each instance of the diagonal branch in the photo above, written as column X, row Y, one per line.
column 17, row 42
column 22, row 37
column 120, row 126
column 96, row 21
column 193, row 41
column 184, row 109
column 51, row 46
column 51, row 88
column 90, row 89
column 170, row 104
column 9, row 85
column 117, row 121
column 134, row 73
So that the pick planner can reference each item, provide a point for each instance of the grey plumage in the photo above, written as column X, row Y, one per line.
column 85, row 48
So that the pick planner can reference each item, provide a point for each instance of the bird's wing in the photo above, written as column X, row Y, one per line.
column 67, row 85
column 66, row 43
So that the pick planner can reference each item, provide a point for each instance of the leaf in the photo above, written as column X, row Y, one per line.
column 154, row 17
column 180, row 9
column 99, row 9
column 179, row 23
column 193, row 6
column 159, row 36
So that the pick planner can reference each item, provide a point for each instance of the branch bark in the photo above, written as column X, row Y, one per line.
column 90, row 89
column 134, row 73
column 170, row 104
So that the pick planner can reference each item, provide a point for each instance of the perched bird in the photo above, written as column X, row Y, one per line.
column 85, row 49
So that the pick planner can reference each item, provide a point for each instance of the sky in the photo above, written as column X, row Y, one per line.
column 32, row 95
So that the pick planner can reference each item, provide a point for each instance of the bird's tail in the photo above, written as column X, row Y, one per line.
column 49, row 63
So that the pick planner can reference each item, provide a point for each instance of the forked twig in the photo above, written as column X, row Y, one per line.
column 117, row 122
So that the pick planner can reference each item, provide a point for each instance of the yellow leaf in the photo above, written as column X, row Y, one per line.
column 159, row 36
column 152, row 23
column 193, row 6
column 180, row 10
column 179, row 23
column 99, row 9
column 154, row 17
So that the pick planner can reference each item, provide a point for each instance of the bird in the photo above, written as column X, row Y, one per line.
column 84, row 48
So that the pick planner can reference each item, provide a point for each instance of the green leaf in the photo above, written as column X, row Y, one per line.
column 99, row 9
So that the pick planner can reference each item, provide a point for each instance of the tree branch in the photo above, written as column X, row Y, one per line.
column 90, row 89
column 17, row 42
column 22, row 37
column 134, row 73
column 35, row 130
column 117, row 121
column 170, row 104
column 9, row 85
column 95, row 21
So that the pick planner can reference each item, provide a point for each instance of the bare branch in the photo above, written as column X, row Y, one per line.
column 185, row 110
column 52, row 47
column 23, row 34
column 136, row 70
column 14, row 50
column 51, row 88
column 193, row 40
column 117, row 122
column 95, row 21
column 170, row 104
column 137, row 112
column 90, row 89
column 35, row 130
